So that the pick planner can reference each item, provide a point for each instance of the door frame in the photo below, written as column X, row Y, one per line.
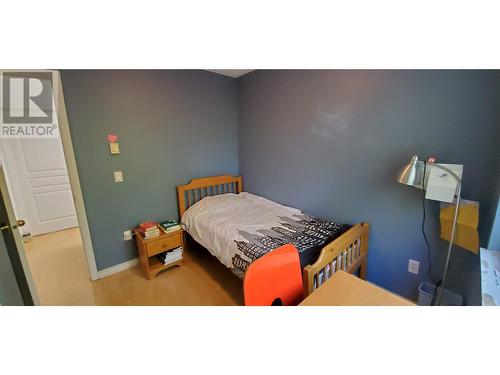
column 74, row 179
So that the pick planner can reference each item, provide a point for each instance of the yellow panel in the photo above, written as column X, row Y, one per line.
column 466, row 235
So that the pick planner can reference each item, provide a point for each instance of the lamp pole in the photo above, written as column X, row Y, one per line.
column 457, row 205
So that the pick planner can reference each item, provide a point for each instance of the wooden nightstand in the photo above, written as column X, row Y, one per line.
column 149, row 249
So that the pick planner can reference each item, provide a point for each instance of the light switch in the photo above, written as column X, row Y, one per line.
column 118, row 176
column 114, row 149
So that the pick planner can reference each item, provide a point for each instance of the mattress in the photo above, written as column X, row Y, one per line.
column 240, row 228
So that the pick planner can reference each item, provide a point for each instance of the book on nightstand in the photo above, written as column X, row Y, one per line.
column 170, row 256
column 147, row 225
column 169, row 226
column 150, row 233
column 149, row 229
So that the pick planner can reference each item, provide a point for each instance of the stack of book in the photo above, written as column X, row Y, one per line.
column 171, row 256
column 149, row 229
column 169, row 226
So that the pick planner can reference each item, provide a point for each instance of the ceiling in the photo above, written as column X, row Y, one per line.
column 235, row 73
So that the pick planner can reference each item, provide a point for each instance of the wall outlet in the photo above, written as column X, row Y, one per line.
column 127, row 235
column 118, row 176
column 413, row 266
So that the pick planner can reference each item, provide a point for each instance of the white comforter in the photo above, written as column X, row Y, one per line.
column 218, row 222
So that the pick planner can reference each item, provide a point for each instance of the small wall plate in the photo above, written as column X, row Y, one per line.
column 114, row 148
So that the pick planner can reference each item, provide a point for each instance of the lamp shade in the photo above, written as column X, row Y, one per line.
column 412, row 174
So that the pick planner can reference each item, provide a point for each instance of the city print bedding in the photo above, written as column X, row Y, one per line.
column 240, row 228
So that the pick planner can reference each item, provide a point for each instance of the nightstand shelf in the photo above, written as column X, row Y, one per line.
column 148, row 250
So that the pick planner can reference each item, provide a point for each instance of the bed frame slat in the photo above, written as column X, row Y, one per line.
column 213, row 186
column 349, row 252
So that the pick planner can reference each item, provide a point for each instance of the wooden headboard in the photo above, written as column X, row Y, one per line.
column 199, row 188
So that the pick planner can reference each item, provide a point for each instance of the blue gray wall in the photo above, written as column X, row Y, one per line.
column 331, row 143
column 172, row 126
column 327, row 142
column 494, row 242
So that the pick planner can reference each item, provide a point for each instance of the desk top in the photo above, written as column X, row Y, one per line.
column 344, row 289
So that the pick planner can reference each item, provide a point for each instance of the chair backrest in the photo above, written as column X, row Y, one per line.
column 274, row 279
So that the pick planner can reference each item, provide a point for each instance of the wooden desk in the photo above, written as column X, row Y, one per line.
column 344, row 289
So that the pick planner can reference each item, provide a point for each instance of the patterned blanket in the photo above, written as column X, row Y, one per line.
column 240, row 228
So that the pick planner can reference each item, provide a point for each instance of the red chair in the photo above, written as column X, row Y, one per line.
column 274, row 279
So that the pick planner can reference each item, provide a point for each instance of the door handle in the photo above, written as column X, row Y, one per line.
column 5, row 227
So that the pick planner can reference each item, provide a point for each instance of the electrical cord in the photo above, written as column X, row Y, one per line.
column 429, row 271
column 425, row 237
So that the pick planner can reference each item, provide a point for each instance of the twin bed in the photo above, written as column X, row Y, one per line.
column 238, row 227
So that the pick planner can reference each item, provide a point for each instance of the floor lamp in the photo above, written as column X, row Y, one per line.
column 412, row 174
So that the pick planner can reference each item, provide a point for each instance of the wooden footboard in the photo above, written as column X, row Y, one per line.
column 348, row 252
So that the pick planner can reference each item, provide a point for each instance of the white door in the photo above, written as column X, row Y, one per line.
column 39, row 177
column 39, row 168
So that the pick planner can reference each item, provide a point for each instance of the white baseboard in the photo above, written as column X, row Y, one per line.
column 117, row 268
